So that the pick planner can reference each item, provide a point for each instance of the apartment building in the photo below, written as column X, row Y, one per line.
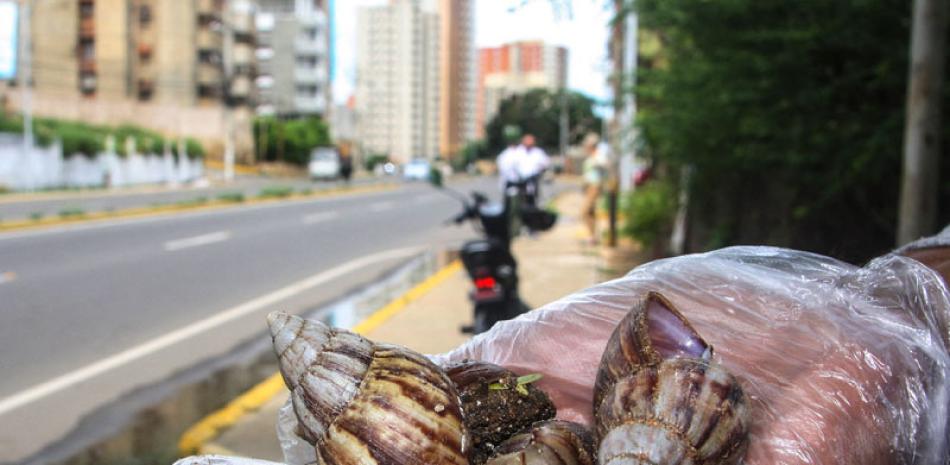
column 293, row 56
column 397, row 83
column 175, row 66
column 513, row 69
column 458, row 74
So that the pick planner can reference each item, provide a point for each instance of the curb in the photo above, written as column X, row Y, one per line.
column 139, row 212
column 198, row 438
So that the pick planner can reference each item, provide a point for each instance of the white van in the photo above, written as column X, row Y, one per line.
column 324, row 163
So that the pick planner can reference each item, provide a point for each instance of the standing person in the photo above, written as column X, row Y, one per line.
column 507, row 161
column 346, row 167
column 594, row 173
column 532, row 161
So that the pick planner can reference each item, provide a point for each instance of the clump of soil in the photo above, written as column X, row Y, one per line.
column 497, row 404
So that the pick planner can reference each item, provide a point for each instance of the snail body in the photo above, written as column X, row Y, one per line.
column 360, row 402
column 661, row 400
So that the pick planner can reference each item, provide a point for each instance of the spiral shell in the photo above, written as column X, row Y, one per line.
column 653, row 331
column 660, row 400
column 547, row 443
column 682, row 411
column 360, row 402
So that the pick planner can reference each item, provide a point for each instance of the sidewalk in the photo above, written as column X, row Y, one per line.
column 551, row 265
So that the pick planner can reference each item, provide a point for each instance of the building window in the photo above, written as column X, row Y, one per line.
column 307, row 61
column 310, row 33
column 307, row 91
column 264, row 53
column 264, row 82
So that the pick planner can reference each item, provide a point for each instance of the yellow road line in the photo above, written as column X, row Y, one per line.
column 197, row 438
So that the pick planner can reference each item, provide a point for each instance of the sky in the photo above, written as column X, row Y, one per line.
column 585, row 35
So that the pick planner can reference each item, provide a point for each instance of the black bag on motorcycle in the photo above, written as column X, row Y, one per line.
column 537, row 219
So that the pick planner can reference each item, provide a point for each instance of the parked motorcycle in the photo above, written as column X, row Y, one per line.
column 488, row 260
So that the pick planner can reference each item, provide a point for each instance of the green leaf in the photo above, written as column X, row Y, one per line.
column 521, row 389
column 497, row 387
column 529, row 378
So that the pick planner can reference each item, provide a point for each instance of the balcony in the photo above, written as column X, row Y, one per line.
column 87, row 66
column 315, row 104
column 241, row 88
column 87, row 28
column 242, row 56
column 310, row 47
column 144, row 50
column 208, row 40
column 208, row 8
column 314, row 75
column 209, row 75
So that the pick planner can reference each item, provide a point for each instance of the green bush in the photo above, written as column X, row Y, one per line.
column 233, row 197
column 276, row 192
column 649, row 212
column 70, row 212
column 194, row 148
column 36, row 216
column 289, row 140
column 373, row 160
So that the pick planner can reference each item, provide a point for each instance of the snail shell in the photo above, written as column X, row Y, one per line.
column 548, row 442
column 682, row 411
column 653, row 331
column 660, row 399
column 360, row 402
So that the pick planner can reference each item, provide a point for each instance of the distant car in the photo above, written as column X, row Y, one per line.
column 324, row 163
column 416, row 170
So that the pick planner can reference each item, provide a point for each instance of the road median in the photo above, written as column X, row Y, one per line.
column 222, row 201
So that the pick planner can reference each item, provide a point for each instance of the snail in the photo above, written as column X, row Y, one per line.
column 496, row 404
column 660, row 399
column 360, row 402
column 548, row 442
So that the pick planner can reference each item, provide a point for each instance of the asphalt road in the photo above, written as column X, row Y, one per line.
column 88, row 312
column 14, row 207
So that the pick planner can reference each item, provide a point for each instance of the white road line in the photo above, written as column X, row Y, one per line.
column 187, row 332
column 7, row 277
column 315, row 218
column 382, row 206
column 203, row 239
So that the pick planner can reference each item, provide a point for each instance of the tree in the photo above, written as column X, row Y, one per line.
column 791, row 115
column 538, row 112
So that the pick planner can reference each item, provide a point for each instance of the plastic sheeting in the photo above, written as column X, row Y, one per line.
column 841, row 364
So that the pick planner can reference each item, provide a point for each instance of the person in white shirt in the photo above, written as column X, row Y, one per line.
column 531, row 162
column 507, row 161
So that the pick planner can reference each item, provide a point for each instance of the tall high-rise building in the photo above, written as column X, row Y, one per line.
column 397, row 82
column 168, row 65
column 457, row 75
column 516, row 68
column 293, row 58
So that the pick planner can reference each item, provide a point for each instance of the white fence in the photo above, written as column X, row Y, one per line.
column 46, row 167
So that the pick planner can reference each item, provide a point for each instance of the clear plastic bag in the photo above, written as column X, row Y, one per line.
column 842, row 364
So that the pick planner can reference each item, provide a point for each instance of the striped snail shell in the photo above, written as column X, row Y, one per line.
column 360, row 402
column 653, row 331
column 682, row 411
column 547, row 443
column 661, row 400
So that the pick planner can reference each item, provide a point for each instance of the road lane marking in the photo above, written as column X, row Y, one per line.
column 7, row 277
column 92, row 370
column 382, row 206
column 196, row 241
column 315, row 218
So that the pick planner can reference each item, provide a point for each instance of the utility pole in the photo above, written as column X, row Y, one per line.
column 26, row 73
column 918, row 200
column 228, row 76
